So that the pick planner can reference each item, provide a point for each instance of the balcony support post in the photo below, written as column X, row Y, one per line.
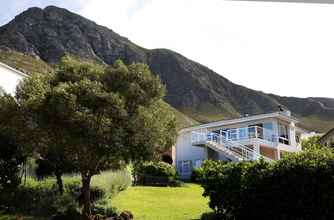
column 256, row 149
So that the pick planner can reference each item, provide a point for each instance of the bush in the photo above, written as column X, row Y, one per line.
column 11, row 162
column 311, row 143
column 41, row 198
column 300, row 186
column 164, row 173
column 37, row 198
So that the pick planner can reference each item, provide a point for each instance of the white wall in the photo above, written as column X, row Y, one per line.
column 9, row 79
column 185, row 151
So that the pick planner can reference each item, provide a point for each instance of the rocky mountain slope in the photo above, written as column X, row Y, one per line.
column 200, row 93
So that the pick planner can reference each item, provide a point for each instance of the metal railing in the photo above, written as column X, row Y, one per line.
column 235, row 134
column 245, row 133
column 220, row 141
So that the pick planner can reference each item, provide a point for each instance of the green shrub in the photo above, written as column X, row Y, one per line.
column 311, row 143
column 11, row 161
column 300, row 186
column 158, row 170
column 38, row 198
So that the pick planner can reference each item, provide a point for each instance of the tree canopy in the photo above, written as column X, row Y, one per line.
column 98, row 116
column 15, row 143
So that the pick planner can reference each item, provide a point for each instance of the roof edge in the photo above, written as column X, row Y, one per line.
column 242, row 119
column 13, row 69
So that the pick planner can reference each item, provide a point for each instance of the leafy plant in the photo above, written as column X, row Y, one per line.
column 311, row 143
column 161, row 171
column 300, row 186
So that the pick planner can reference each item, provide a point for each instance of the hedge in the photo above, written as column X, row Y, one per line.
column 300, row 186
column 156, row 173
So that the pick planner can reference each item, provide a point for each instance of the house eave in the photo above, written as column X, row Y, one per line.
column 13, row 70
column 278, row 115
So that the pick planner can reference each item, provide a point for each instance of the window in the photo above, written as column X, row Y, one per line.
column 268, row 131
column 198, row 163
column 251, row 132
column 185, row 166
column 243, row 133
column 283, row 134
column 232, row 134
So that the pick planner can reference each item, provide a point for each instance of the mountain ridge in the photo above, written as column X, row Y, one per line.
column 194, row 89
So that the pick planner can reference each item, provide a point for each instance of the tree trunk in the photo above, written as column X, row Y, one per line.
column 86, row 194
column 60, row 182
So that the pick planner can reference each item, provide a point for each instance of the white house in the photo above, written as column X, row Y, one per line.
column 266, row 136
column 9, row 78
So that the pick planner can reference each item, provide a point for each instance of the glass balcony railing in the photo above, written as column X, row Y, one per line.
column 238, row 134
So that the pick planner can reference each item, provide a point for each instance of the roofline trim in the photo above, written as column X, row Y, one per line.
column 240, row 120
column 13, row 69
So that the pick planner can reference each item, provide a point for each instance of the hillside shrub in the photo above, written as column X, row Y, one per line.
column 300, row 186
column 160, row 170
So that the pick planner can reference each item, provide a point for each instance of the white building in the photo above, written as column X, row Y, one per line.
column 247, row 138
column 9, row 78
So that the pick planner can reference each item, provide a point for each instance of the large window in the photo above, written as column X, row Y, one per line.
column 243, row 133
column 268, row 131
column 283, row 134
column 256, row 130
column 232, row 134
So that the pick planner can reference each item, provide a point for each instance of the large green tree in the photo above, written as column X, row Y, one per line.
column 98, row 116
column 15, row 143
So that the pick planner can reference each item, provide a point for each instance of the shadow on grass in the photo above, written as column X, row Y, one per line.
column 6, row 216
column 208, row 216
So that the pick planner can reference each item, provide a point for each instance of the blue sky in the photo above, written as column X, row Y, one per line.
column 280, row 48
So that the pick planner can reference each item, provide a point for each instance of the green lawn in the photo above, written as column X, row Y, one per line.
column 163, row 203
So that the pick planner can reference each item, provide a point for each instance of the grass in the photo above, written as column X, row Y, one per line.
column 182, row 121
column 163, row 203
column 24, row 62
column 4, row 216
column 146, row 203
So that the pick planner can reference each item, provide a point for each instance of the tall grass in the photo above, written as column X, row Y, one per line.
column 41, row 198
column 113, row 182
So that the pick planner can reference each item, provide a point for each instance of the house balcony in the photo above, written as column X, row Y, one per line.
column 247, row 136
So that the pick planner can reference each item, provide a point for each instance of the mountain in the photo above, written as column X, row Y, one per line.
column 195, row 90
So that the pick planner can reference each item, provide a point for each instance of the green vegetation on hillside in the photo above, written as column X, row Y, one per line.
column 30, row 64
column 182, row 120
column 314, row 123
column 185, row 117
column 24, row 63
